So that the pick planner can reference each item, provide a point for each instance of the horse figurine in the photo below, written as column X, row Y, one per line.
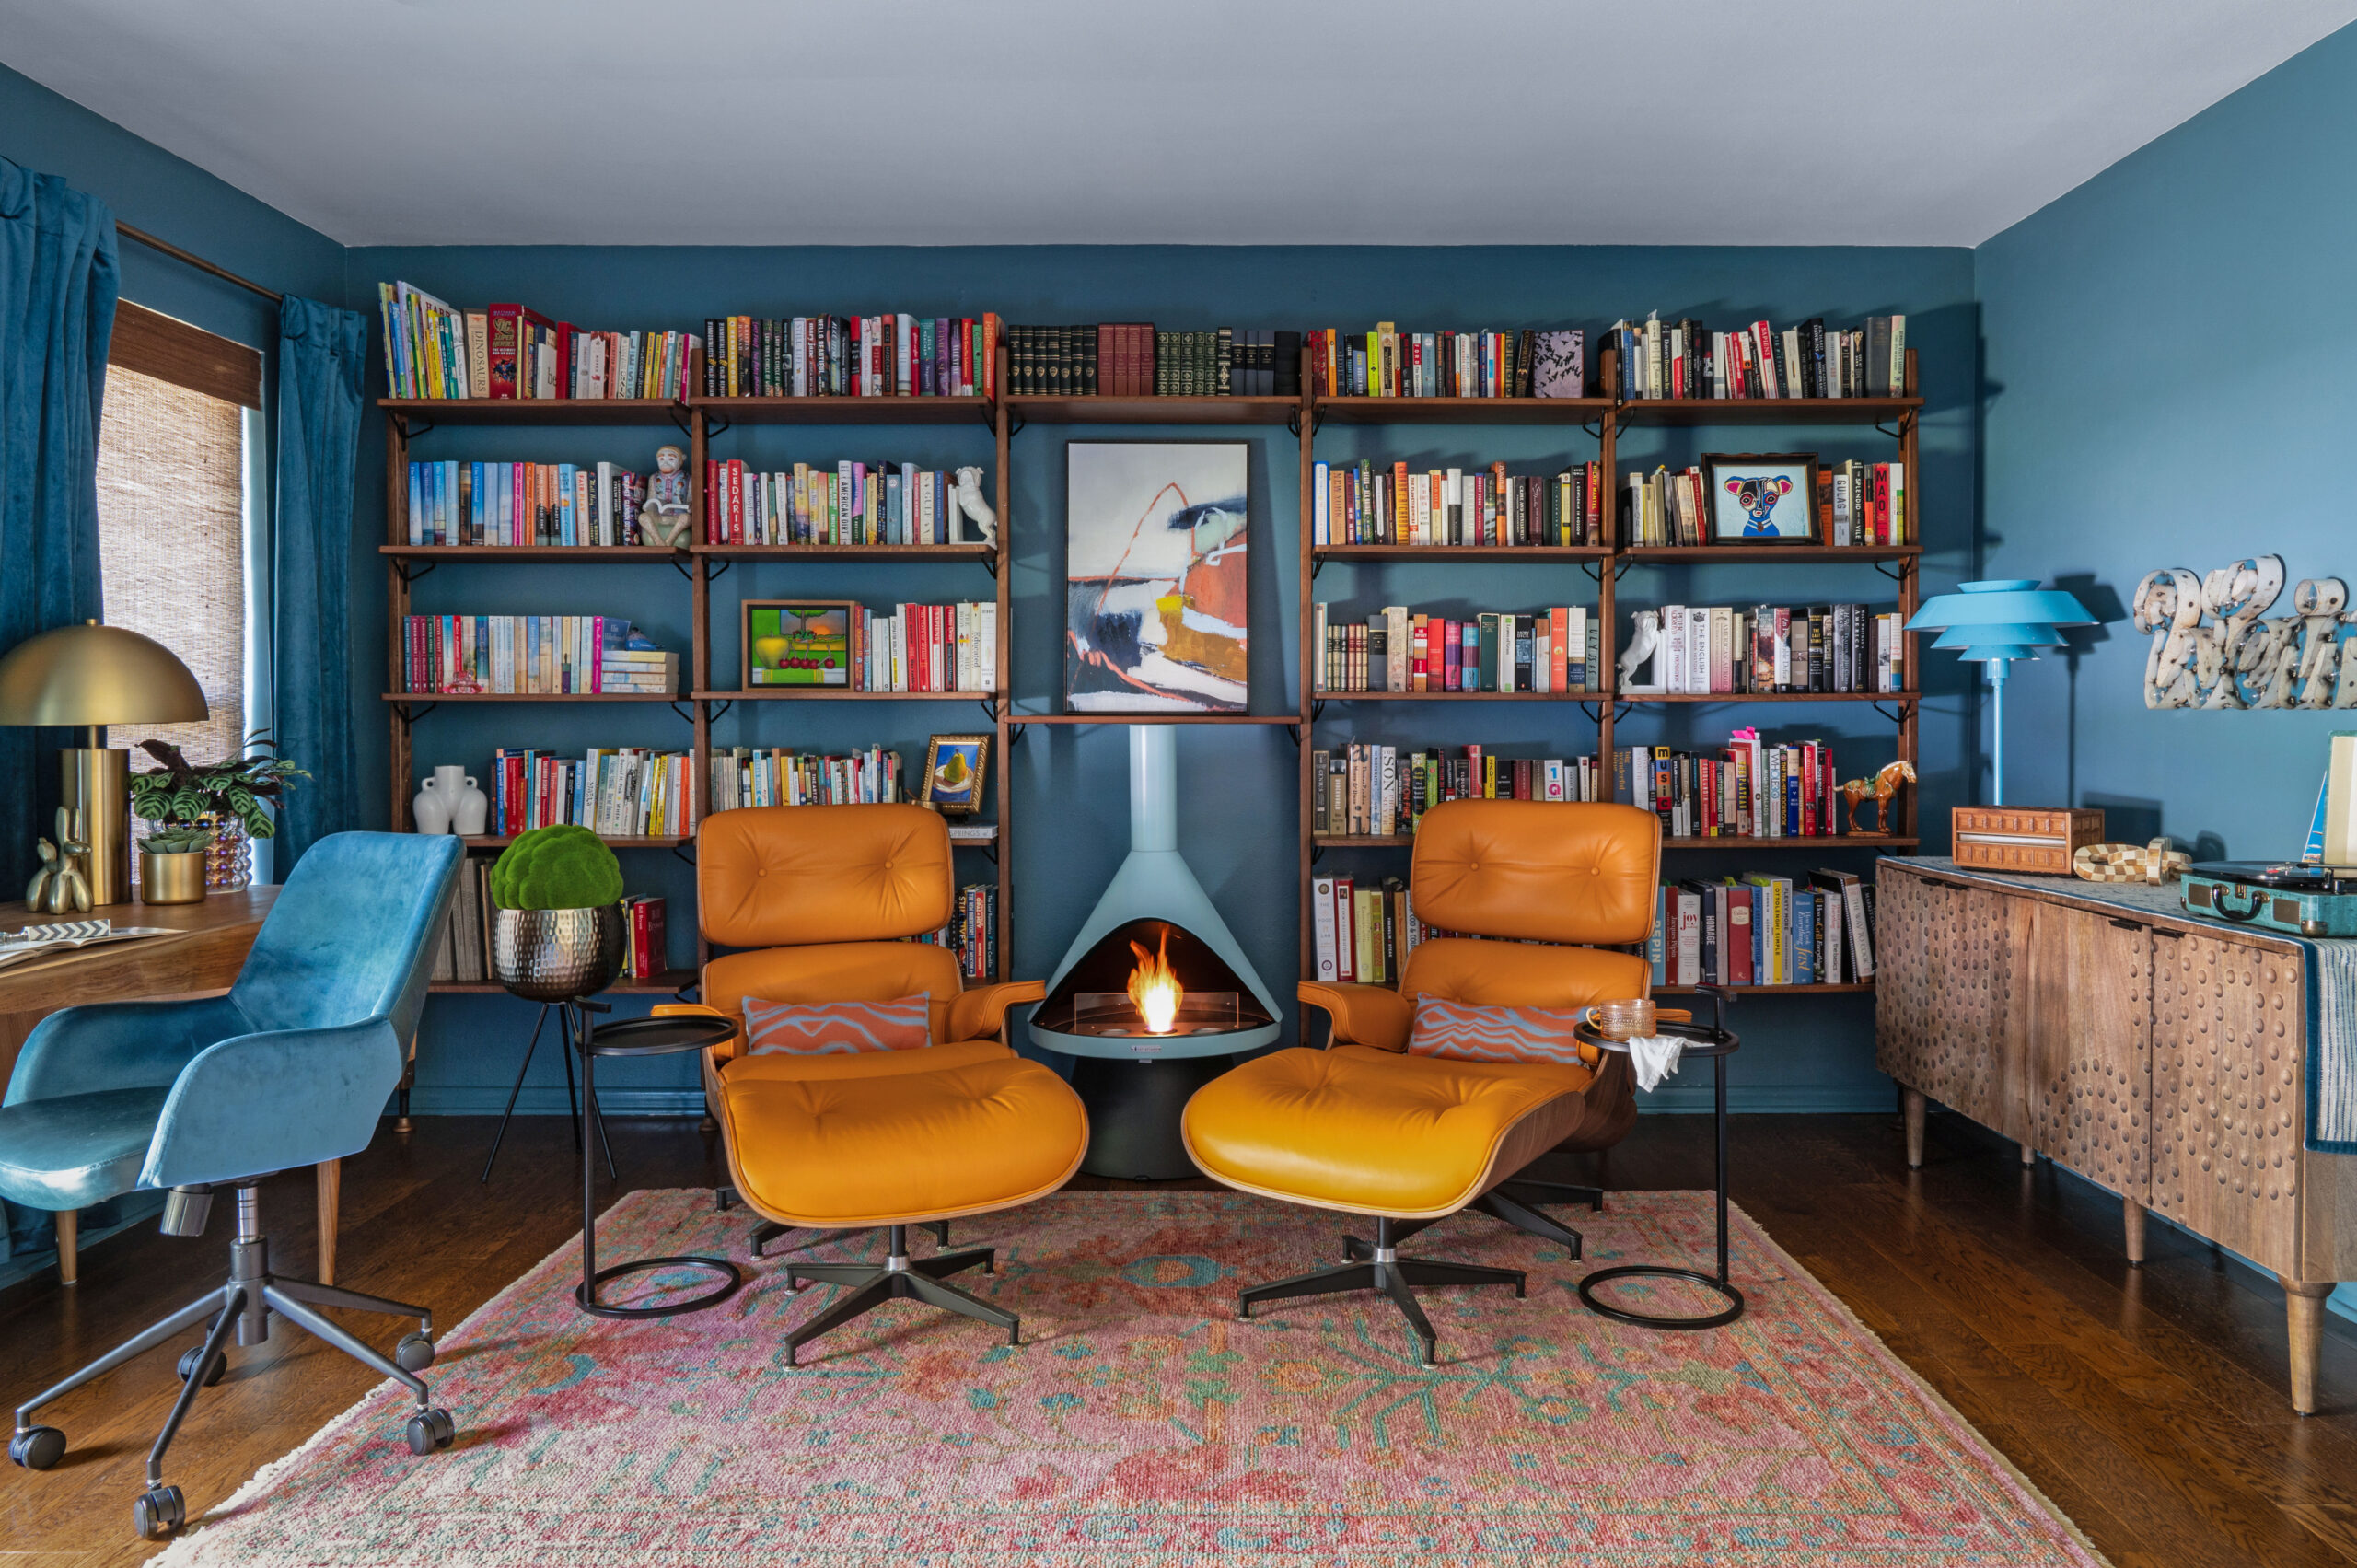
column 1880, row 790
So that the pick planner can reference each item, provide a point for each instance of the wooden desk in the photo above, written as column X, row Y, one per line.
column 204, row 960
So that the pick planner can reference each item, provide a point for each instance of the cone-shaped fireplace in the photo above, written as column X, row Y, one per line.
column 1155, row 996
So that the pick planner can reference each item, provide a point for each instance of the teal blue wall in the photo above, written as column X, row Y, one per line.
column 1070, row 801
column 2168, row 383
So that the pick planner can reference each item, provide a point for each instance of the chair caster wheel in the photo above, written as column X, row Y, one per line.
column 213, row 1374
column 36, row 1448
column 414, row 1354
column 158, row 1511
column 429, row 1430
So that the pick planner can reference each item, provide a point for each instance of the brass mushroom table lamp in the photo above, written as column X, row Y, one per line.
column 89, row 676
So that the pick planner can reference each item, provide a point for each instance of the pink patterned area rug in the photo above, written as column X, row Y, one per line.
column 1141, row 1426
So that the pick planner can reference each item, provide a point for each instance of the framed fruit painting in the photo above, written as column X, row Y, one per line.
column 797, row 642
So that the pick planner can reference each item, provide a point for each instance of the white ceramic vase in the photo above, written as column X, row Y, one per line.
column 437, row 801
column 470, row 812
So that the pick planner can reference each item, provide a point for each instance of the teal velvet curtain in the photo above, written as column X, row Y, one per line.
column 57, row 295
column 322, row 358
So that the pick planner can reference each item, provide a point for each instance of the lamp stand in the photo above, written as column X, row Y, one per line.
column 95, row 785
column 1997, row 668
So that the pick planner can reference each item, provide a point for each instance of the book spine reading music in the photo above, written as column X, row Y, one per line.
column 896, row 355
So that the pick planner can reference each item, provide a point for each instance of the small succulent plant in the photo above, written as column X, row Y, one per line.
column 179, row 840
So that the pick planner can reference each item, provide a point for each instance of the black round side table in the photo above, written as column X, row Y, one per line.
column 636, row 1036
column 1718, row 1045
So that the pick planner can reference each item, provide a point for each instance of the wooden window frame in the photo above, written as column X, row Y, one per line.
column 171, row 349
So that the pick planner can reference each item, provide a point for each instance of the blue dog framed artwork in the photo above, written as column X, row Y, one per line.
column 1762, row 497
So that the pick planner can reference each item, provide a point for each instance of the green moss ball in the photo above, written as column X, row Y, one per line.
column 566, row 867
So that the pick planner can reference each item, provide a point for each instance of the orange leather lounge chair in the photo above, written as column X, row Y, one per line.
column 1363, row 1128
column 818, row 898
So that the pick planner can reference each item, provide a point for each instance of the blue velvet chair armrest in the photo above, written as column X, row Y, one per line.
column 119, row 1045
column 272, row 1101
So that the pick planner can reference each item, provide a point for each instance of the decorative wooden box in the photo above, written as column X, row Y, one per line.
column 2024, row 838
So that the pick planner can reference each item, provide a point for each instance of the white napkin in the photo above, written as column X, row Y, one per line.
column 1654, row 1058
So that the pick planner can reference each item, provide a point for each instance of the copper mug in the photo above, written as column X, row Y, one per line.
column 1623, row 1020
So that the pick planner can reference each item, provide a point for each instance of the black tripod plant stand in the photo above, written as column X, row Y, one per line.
column 571, row 1028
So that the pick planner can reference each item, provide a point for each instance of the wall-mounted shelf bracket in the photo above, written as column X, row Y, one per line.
column 684, row 710
column 410, row 427
column 715, row 424
column 409, row 716
column 1894, row 716
column 686, row 852
column 1896, row 573
column 1016, row 424
column 1596, row 711
column 684, row 419
column 716, row 709
column 1316, row 420
column 410, row 571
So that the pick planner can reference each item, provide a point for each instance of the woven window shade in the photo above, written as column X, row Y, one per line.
column 171, row 546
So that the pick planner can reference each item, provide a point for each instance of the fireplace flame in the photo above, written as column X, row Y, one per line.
column 1154, row 986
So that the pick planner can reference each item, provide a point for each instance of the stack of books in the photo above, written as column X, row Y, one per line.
column 1133, row 359
column 1685, row 359
column 1750, row 789
column 1388, row 363
column 852, row 502
column 1549, row 652
column 852, row 357
column 973, row 931
column 1364, row 935
column 927, row 647
column 646, row 949
column 623, row 792
column 1764, row 930
column 1824, row 648
column 1381, row 791
column 462, row 951
column 538, row 655
column 747, row 776
column 1369, row 504
column 523, row 504
column 433, row 350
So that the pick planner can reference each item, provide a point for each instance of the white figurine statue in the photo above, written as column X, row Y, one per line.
column 665, row 521
column 970, row 502
column 2319, row 601
column 1644, row 638
column 2237, row 596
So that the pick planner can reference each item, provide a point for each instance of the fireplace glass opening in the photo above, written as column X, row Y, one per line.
column 1148, row 979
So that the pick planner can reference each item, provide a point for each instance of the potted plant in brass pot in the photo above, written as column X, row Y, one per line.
column 171, row 865
column 556, row 923
column 233, row 800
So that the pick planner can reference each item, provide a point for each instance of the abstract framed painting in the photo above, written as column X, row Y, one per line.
column 1155, row 573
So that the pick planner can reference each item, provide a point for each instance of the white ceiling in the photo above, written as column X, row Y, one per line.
column 1224, row 122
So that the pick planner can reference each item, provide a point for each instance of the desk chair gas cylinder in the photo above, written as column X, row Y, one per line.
column 1363, row 1127
column 292, row 1067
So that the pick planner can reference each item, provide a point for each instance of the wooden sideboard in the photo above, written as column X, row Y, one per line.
column 2161, row 1056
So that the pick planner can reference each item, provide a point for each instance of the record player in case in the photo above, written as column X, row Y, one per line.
column 2299, row 897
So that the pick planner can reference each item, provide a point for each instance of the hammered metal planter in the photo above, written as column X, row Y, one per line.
column 556, row 954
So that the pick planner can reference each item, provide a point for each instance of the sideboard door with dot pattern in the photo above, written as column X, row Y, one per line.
column 2088, row 1011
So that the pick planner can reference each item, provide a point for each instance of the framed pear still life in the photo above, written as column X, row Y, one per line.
column 954, row 767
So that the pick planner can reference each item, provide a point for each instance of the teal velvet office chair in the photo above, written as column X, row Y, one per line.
column 292, row 1067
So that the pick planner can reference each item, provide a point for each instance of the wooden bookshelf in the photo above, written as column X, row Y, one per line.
column 1603, row 419
column 1043, row 408
column 701, row 564
column 1019, row 720
column 501, row 841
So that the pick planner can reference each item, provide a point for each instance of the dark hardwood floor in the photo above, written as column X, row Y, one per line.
column 2149, row 1403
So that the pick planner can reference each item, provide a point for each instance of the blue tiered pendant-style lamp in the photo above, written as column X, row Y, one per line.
column 1994, row 623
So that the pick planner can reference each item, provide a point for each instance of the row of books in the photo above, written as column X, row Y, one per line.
column 523, row 504
column 852, row 357
column 1685, row 359
column 1388, row 363
column 1366, row 502
column 1751, row 789
column 852, row 502
column 750, row 775
column 1764, row 930
column 926, row 647
column 646, row 947
column 1856, row 504
column 1552, row 651
column 1821, row 647
column 433, row 350
column 1363, row 936
column 1132, row 359
column 1381, row 791
column 621, row 792
column 973, row 931
column 533, row 655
